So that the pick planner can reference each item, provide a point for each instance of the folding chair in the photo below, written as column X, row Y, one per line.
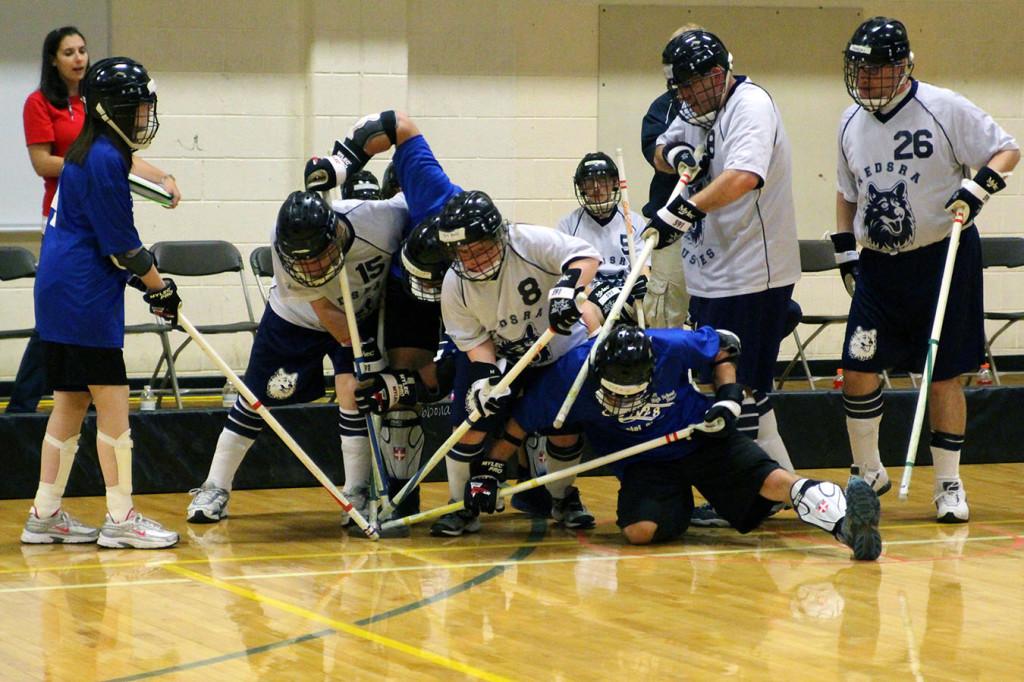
column 261, row 262
column 816, row 255
column 201, row 259
column 1006, row 252
column 16, row 262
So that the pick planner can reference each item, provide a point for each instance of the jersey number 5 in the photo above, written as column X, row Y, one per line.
column 919, row 139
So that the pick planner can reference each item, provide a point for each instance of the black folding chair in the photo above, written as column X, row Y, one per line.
column 261, row 262
column 16, row 262
column 1005, row 252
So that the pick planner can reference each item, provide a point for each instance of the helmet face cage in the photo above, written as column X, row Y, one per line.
column 308, row 239
column 596, row 183
column 120, row 93
column 624, row 365
column 473, row 235
column 477, row 261
column 877, row 62
column 424, row 261
column 698, row 67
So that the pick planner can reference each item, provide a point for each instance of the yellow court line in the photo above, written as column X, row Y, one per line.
column 282, row 557
column 341, row 626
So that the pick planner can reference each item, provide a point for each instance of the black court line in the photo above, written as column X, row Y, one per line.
column 538, row 529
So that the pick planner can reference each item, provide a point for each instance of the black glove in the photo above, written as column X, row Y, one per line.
column 135, row 282
column 481, row 396
column 973, row 194
column 727, row 406
column 672, row 221
column 847, row 258
column 603, row 295
column 639, row 290
column 372, row 360
column 323, row 174
column 379, row 392
column 165, row 302
column 683, row 158
column 563, row 312
column 486, row 477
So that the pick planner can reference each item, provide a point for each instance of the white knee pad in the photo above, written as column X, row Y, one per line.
column 122, row 446
column 401, row 443
column 67, row 449
column 819, row 503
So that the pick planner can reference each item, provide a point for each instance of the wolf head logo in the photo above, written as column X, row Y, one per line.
column 888, row 218
column 281, row 385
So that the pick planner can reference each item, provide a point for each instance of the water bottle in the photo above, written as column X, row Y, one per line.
column 228, row 395
column 984, row 375
column 837, row 382
column 147, row 401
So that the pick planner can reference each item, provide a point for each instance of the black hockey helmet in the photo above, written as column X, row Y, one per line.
column 113, row 89
column 878, row 43
column 597, row 184
column 424, row 261
column 623, row 366
column 474, row 235
column 389, row 186
column 689, row 58
column 311, row 239
column 361, row 185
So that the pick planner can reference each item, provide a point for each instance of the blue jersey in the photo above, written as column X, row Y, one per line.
column 79, row 292
column 426, row 186
column 673, row 404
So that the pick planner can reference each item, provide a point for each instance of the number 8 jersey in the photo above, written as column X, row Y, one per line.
column 512, row 309
column 378, row 234
column 901, row 166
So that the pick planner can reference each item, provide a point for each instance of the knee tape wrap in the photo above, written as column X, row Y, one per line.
column 67, row 449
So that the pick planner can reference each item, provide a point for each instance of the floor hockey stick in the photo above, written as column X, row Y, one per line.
column 624, row 187
column 933, row 349
column 605, row 330
column 474, row 417
column 590, row 465
column 290, row 443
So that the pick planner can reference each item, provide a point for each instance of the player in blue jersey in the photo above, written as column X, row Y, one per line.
column 637, row 390
column 906, row 154
column 90, row 250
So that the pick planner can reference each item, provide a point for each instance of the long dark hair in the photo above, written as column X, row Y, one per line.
column 92, row 129
column 50, row 83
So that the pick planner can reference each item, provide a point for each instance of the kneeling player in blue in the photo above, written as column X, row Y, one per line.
column 637, row 390
column 305, row 321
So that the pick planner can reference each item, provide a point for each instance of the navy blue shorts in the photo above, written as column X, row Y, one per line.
column 408, row 321
column 286, row 364
column 893, row 310
column 425, row 184
column 728, row 472
column 760, row 322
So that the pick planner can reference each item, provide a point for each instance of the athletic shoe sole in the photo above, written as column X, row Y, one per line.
column 473, row 527
column 861, row 524
column 130, row 543
column 948, row 517
column 30, row 538
column 200, row 516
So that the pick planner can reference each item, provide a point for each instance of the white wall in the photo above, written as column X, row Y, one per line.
column 510, row 95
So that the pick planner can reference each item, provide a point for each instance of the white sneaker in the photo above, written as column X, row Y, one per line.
column 136, row 532
column 60, row 527
column 878, row 478
column 951, row 503
column 209, row 504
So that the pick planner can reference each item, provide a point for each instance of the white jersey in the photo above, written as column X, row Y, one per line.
column 751, row 244
column 900, row 167
column 378, row 234
column 609, row 240
column 512, row 309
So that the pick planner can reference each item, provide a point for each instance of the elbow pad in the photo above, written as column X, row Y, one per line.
column 137, row 261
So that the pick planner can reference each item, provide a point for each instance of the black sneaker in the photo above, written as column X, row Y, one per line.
column 454, row 524
column 860, row 525
column 569, row 511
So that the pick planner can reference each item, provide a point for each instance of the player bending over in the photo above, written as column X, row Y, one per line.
column 304, row 321
column 638, row 390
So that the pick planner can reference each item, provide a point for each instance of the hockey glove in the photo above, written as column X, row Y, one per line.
column 165, row 302
column 481, row 397
column 683, row 158
column 563, row 312
column 639, row 291
column 973, row 194
column 603, row 295
column 372, row 360
column 727, row 406
column 379, row 392
column 486, row 478
column 672, row 221
column 847, row 259
column 135, row 282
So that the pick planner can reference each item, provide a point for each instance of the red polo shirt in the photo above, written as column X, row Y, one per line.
column 45, row 123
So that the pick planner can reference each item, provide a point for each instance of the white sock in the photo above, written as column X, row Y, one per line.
column 771, row 442
column 47, row 500
column 118, row 503
column 227, row 457
column 355, row 455
column 458, row 474
column 864, row 442
column 945, row 448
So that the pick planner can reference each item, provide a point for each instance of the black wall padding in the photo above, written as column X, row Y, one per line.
column 173, row 448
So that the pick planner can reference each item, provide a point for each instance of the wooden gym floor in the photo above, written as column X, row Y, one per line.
column 278, row 592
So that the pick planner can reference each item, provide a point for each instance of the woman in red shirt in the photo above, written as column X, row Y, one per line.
column 53, row 117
